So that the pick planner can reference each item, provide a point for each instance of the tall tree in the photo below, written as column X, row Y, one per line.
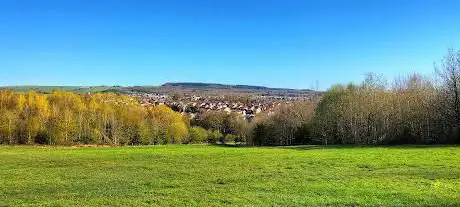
column 449, row 72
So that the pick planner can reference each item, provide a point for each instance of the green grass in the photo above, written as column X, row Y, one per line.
column 217, row 176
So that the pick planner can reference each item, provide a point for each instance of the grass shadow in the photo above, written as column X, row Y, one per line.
column 421, row 146
column 316, row 147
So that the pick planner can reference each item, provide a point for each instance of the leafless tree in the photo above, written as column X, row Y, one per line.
column 449, row 73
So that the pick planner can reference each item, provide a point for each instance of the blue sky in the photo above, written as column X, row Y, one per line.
column 288, row 43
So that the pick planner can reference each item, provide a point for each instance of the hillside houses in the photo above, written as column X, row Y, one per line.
column 196, row 104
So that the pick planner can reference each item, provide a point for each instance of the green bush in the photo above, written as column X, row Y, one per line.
column 214, row 136
column 197, row 135
column 229, row 138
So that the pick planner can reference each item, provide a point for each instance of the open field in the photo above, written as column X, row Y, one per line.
column 215, row 176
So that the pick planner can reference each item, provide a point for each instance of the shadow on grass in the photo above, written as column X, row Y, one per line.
column 421, row 146
column 316, row 147
column 311, row 147
column 234, row 145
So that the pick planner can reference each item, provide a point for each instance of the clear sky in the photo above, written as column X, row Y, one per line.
column 283, row 43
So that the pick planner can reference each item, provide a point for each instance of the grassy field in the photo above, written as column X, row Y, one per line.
column 216, row 176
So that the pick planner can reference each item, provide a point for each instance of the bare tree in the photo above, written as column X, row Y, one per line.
column 449, row 72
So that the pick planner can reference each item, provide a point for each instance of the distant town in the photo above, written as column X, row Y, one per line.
column 195, row 104
column 195, row 98
column 247, row 104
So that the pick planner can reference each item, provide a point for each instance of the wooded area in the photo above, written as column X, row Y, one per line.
column 68, row 118
column 411, row 110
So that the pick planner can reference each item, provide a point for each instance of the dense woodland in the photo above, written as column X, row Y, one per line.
column 68, row 118
column 408, row 110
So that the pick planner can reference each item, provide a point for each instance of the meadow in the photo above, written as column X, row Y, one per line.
column 201, row 175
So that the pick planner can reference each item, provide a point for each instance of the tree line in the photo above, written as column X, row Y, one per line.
column 102, row 118
column 410, row 110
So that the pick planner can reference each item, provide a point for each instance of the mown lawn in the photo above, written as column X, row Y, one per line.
column 217, row 176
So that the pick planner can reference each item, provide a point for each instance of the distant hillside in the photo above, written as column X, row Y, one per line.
column 219, row 86
column 170, row 88
column 49, row 89
column 214, row 87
